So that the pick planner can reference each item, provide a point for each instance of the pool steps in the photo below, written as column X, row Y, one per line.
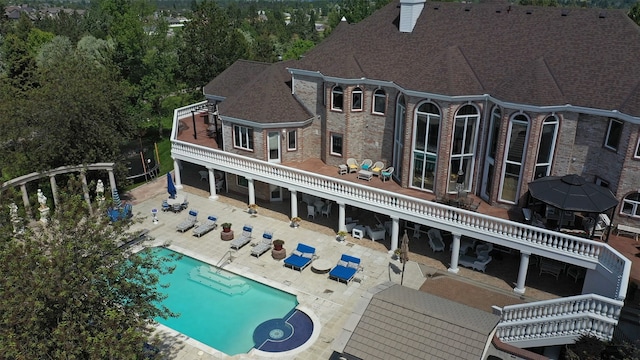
column 222, row 281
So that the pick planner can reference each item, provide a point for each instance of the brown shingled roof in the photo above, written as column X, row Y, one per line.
column 522, row 54
column 233, row 78
column 402, row 323
column 266, row 98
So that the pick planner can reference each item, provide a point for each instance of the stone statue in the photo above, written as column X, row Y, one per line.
column 42, row 199
column 100, row 190
column 13, row 211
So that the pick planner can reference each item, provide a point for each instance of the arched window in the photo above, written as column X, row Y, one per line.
column 547, row 146
column 398, row 137
column 463, row 146
column 490, row 156
column 631, row 205
column 425, row 145
column 379, row 102
column 514, row 156
column 356, row 99
column 337, row 98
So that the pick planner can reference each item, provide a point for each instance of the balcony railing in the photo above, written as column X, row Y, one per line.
column 597, row 256
column 559, row 321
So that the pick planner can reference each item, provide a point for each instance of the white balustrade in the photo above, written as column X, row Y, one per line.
column 398, row 205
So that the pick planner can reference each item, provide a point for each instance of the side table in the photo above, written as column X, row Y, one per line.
column 321, row 266
column 358, row 232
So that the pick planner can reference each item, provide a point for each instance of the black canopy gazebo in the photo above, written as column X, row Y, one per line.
column 574, row 193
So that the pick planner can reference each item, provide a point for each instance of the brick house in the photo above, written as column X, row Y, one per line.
column 482, row 98
column 498, row 94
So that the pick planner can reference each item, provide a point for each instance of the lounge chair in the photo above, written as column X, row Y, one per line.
column 208, row 225
column 264, row 245
column 377, row 168
column 375, row 234
column 346, row 269
column 477, row 263
column 165, row 206
column 189, row 222
column 366, row 164
column 353, row 165
column 301, row 257
column 243, row 239
column 435, row 240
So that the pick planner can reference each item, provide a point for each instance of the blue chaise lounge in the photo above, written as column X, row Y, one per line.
column 346, row 269
column 301, row 257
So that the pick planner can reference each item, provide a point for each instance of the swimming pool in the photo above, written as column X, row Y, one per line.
column 218, row 308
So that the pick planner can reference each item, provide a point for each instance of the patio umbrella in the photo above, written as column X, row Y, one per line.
column 116, row 198
column 171, row 187
column 404, row 253
column 572, row 193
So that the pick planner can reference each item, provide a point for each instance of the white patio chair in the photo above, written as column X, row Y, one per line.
column 353, row 165
column 377, row 168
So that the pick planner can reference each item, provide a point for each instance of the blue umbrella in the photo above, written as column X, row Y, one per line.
column 171, row 188
column 116, row 198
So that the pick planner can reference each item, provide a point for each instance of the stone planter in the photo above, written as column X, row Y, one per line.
column 279, row 254
column 226, row 235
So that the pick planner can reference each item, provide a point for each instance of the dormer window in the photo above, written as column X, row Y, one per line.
column 337, row 98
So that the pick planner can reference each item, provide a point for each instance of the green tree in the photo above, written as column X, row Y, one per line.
column 209, row 45
column 634, row 13
column 82, row 115
column 19, row 57
column 70, row 292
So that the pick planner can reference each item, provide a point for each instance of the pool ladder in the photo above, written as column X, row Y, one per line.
column 223, row 262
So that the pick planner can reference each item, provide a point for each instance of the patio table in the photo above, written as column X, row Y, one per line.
column 365, row 175
column 179, row 199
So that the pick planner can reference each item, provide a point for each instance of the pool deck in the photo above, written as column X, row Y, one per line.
column 330, row 302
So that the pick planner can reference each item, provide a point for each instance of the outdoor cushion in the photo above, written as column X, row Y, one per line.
column 342, row 263
column 247, row 228
column 307, row 255
column 353, row 265
column 296, row 253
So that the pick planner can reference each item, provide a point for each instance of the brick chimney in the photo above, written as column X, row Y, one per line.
column 409, row 12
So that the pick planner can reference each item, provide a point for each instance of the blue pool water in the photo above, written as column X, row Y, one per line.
column 218, row 308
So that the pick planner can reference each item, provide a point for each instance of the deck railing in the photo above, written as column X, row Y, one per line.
column 559, row 321
column 610, row 264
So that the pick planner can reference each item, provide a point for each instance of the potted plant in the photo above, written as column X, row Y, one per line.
column 226, row 227
column 253, row 208
column 295, row 221
column 277, row 244
column 342, row 234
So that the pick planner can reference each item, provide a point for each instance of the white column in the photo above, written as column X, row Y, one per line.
column 85, row 191
column 522, row 273
column 455, row 254
column 294, row 203
column 212, row 184
column 395, row 231
column 54, row 190
column 177, row 179
column 252, row 191
column 25, row 200
column 342, row 216
column 112, row 180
